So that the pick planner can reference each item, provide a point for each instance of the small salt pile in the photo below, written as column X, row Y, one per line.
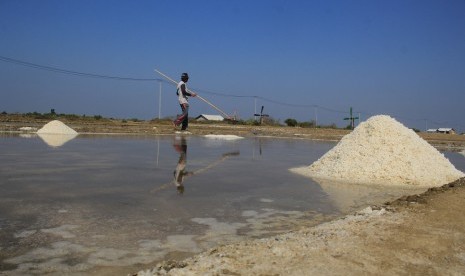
column 56, row 127
column 383, row 151
column 27, row 129
column 223, row 137
column 56, row 134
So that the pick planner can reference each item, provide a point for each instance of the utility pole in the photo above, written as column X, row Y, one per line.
column 316, row 116
column 159, row 103
column 255, row 109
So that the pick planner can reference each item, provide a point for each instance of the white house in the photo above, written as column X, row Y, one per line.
column 446, row 130
column 206, row 117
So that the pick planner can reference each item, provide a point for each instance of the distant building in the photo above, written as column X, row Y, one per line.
column 445, row 130
column 205, row 117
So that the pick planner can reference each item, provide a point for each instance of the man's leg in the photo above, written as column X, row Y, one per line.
column 185, row 122
column 180, row 118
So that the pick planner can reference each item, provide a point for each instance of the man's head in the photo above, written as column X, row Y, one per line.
column 184, row 77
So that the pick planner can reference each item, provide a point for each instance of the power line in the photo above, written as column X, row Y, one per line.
column 83, row 74
column 269, row 100
column 70, row 72
column 223, row 94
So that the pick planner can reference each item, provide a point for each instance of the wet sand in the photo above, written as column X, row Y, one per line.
column 414, row 235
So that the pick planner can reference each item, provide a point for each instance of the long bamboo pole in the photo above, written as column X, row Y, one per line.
column 190, row 91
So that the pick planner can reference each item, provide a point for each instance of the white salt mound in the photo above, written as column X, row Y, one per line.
column 27, row 129
column 223, row 137
column 56, row 127
column 383, row 151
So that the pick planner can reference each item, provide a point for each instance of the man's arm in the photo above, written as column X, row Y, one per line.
column 184, row 91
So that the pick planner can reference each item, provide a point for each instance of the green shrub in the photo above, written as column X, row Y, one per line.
column 307, row 124
column 291, row 122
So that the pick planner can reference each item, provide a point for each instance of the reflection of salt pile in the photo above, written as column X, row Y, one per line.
column 56, row 133
column 349, row 197
column 383, row 151
column 462, row 152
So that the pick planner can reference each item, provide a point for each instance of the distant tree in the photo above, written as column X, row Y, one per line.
column 291, row 122
column 271, row 121
column 307, row 124
column 70, row 116
column 249, row 122
column 333, row 125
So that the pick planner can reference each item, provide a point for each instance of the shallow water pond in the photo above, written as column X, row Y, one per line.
column 119, row 204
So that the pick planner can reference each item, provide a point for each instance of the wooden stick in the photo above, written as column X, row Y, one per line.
column 190, row 91
column 225, row 155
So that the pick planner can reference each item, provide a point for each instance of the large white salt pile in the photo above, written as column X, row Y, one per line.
column 56, row 127
column 383, row 151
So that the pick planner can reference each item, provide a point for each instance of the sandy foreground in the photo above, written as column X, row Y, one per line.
column 414, row 235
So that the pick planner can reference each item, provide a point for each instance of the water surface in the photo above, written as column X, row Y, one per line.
column 107, row 204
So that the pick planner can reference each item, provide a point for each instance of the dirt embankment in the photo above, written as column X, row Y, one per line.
column 414, row 235
column 12, row 123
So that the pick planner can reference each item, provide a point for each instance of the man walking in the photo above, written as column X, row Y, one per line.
column 182, row 93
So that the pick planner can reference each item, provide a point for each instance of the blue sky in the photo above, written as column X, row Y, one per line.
column 401, row 58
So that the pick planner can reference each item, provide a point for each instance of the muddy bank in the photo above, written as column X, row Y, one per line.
column 413, row 235
column 12, row 123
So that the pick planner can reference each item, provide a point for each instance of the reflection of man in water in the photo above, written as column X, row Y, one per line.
column 180, row 146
